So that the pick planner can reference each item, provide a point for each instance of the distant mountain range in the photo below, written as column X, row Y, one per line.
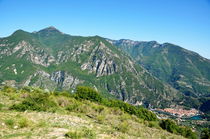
column 183, row 69
column 148, row 73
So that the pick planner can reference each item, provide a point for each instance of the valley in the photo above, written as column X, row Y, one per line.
column 168, row 80
column 110, row 69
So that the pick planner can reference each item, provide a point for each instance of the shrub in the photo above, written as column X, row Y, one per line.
column 98, row 108
column 64, row 93
column 9, row 89
column 73, row 135
column 154, row 124
column 35, row 102
column 189, row 133
column 169, row 125
column 172, row 127
column 123, row 127
column 72, row 107
column 23, row 122
column 100, row 118
column 9, row 122
column 138, row 111
column 88, row 94
column 84, row 133
column 205, row 133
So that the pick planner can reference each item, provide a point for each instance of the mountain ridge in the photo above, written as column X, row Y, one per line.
column 184, row 70
column 60, row 61
column 57, row 61
column 153, row 41
column 149, row 55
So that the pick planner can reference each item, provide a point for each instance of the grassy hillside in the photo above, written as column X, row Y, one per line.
column 35, row 113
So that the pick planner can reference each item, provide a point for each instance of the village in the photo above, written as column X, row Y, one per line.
column 181, row 112
column 176, row 112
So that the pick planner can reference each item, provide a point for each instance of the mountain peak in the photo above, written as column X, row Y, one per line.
column 19, row 32
column 50, row 29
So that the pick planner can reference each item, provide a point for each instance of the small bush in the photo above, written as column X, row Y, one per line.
column 73, row 135
column 88, row 94
column 9, row 89
column 72, row 107
column 100, row 118
column 154, row 124
column 84, row 133
column 66, row 94
column 205, row 133
column 139, row 112
column 35, row 102
column 172, row 127
column 23, row 122
column 98, row 108
column 9, row 122
column 123, row 127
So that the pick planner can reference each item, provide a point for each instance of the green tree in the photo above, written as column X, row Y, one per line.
column 205, row 134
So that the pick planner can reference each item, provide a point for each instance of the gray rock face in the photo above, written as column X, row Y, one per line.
column 58, row 77
column 36, row 55
column 24, row 49
column 100, row 61
column 64, row 80
column 100, row 66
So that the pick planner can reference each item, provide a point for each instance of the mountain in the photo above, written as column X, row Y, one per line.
column 184, row 70
column 54, row 60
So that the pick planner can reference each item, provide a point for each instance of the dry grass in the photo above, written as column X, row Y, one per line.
column 52, row 125
column 87, row 119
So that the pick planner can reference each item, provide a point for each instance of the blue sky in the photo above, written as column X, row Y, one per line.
column 182, row 22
